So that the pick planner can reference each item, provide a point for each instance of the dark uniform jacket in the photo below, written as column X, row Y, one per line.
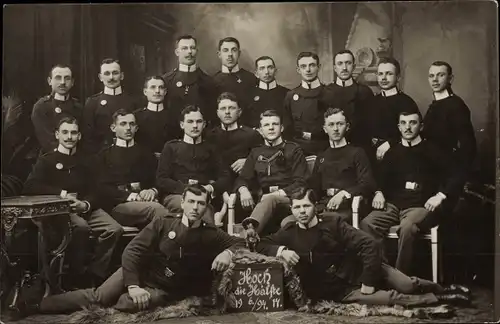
column 56, row 171
column 168, row 255
column 96, row 132
column 154, row 128
column 355, row 100
column 183, row 163
column 283, row 165
column 334, row 256
column 190, row 88
column 238, row 83
column 344, row 168
column 123, row 170
column 262, row 100
column 304, row 110
column 46, row 114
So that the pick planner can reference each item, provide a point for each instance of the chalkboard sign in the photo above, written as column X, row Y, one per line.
column 258, row 287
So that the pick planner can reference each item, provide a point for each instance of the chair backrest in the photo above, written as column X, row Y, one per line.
column 311, row 159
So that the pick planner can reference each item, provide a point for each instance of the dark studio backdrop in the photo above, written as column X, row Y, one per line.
column 463, row 33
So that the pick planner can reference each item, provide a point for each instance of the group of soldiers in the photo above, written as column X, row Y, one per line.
column 165, row 167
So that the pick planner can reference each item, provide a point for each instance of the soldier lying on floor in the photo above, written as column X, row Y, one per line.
column 338, row 262
column 170, row 259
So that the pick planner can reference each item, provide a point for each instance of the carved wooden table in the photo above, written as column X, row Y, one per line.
column 45, row 212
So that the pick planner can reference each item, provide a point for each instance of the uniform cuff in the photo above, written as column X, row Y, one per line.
column 280, row 250
column 282, row 193
column 87, row 209
column 63, row 193
column 230, row 252
column 442, row 195
column 132, row 196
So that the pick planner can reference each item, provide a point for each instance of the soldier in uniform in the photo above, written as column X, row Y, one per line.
column 48, row 110
column 350, row 96
column 126, row 175
column 304, row 107
column 100, row 107
column 172, row 258
column 66, row 172
column 277, row 167
column 191, row 160
column 267, row 95
column 337, row 262
column 189, row 85
column 231, row 78
column 153, row 120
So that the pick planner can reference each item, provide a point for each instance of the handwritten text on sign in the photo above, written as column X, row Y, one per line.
column 258, row 289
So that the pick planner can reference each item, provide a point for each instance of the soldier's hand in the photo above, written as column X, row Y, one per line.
column 382, row 149
column 237, row 165
column 246, row 198
column 378, row 200
column 290, row 257
column 433, row 202
column 147, row 195
column 77, row 206
column 335, row 201
column 222, row 261
column 140, row 297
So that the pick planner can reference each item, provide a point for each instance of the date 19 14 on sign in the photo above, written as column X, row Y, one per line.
column 258, row 287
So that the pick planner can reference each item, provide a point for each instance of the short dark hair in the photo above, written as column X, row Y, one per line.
column 270, row 113
column 229, row 40
column 332, row 111
column 178, row 39
column 301, row 193
column 308, row 54
column 67, row 120
column 443, row 63
column 229, row 96
column 196, row 189
column 189, row 109
column 410, row 111
column 62, row 66
column 344, row 51
column 262, row 58
column 393, row 61
column 110, row 60
column 153, row 77
column 121, row 112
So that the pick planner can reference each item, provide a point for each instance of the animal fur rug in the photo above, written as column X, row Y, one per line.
column 222, row 299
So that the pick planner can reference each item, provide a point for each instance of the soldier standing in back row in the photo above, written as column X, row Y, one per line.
column 49, row 110
column 188, row 85
column 99, row 108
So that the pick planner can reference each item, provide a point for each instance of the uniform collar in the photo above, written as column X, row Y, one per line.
column 190, row 140
column 61, row 98
column 343, row 142
column 313, row 222
column 391, row 92
column 231, row 127
column 155, row 107
column 113, row 92
column 442, row 95
column 267, row 86
column 195, row 224
column 65, row 151
column 341, row 83
column 187, row 68
column 278, row 142
column 123, row 143
column 417, row 140
column 235, row 69
column 311, row 85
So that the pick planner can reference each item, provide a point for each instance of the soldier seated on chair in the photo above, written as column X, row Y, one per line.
column 170, row 259
column 191, row 160
column 277, row 167
column 338, row 262
column 414, row 183
column 66, row 172
column 126, row 175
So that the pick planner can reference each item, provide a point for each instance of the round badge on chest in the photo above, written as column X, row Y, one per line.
column 58, row 110
column 178, row 84
column 171, row 235
column 295, row 97
column 103, row 102
column 256, row 98
column 59, row 166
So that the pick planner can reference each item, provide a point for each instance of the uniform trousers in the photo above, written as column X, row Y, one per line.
column 267, row 208
column 138, row 213
column 173, row 204
column 106, row 230
column 379, row 222
column 110, row 293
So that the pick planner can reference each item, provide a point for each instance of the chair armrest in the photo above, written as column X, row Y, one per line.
column 356, row 201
